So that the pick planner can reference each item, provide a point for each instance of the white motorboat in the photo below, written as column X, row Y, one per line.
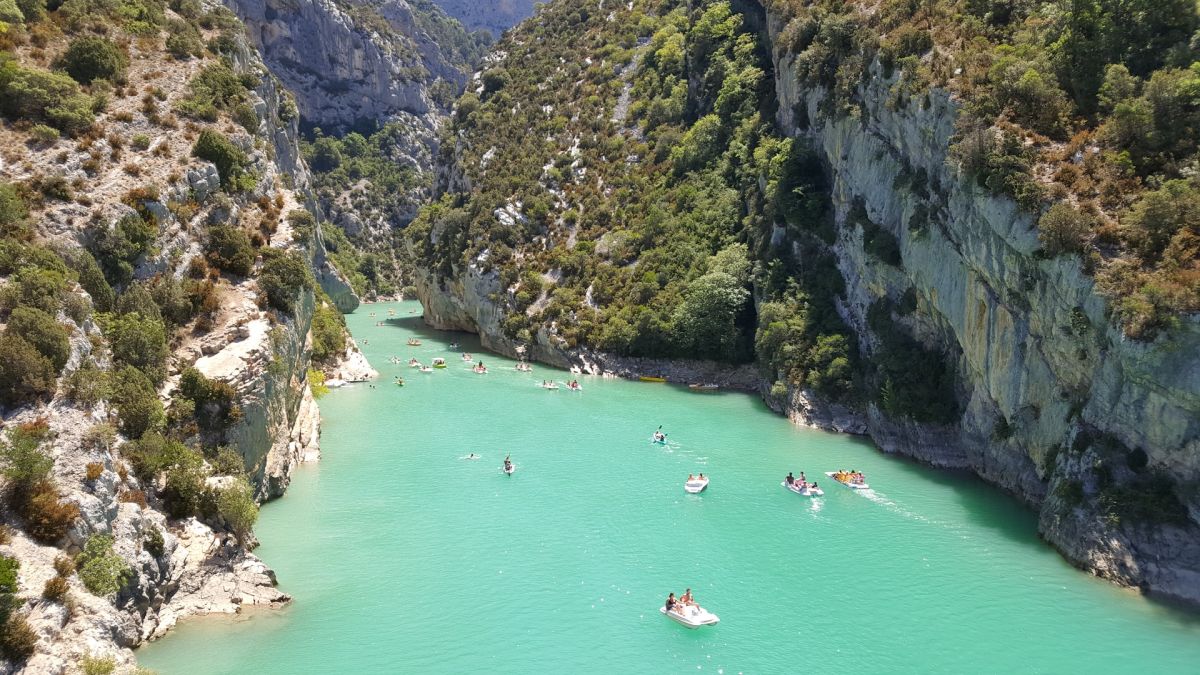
column 426, row 369
column 850, row 484
column 695, row 485
column 692, row 616
column 335, row 383
column 807, row 491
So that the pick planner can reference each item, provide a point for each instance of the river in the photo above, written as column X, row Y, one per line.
column 404, row 557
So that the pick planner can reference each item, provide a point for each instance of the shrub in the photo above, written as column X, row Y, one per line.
column 229, row 249
column 98, row 665
column 94, row 470
column 101, row 570
column 316, row 382
column 40, row 133
column 133, row 497
column 153, row 542
column 64, row 566
column 237, row 507
column 43, row 332
column 91, row 278
column 41, row 96
column 119, row 247
column 328, row 333
column 139, row 341
column 1063, row 229
column 228, row 462
column 17, row 639
column 213, row 89
column 47, row 518
column 212, row 146
column 25, row 375
column 91, row 57
column 56, row 589
column 136, row 401
column 283, row 276
column 13, row 211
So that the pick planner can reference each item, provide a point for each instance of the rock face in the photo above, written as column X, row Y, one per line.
column 348, row 63
column 1032, row 341
column 496, row 16
column 1059, row 408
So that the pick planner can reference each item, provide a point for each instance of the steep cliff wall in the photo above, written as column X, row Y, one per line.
column 1042, row 372
column 496, row 16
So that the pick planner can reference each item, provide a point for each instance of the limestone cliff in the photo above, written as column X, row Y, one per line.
column 496, row 16
column 191, row 565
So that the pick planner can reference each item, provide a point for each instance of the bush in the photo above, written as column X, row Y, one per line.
column 237, row 507
column 13, row 211
column 101, row 570
column 94, row 470
column 229, row 249
column 98, row 665
column 213, row 89
column 228, row 462
column 41, row 96
column 1063, row 229
column 212, row 146
column 328, row 333
column 25, row 465
column 43, row 332
column 283, row 276
column 139, row 341
column 92, row 57
column 56, row 589
column 25, row 374
column 91, row 278
column 136, row 401
column 17, row 639
column 153, row 542
column 47, row 518
column 64, row 566
column 119, row 247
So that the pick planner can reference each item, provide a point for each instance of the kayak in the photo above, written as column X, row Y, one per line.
column 852, row 486
column 806, row 491
column 695, row 485
column 703, row 387
column 509, row 469
column 648, row 378
column 660, row 441
column 692, row 616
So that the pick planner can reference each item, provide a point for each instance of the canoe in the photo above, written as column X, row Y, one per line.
column 852, row 486
column 647, row 378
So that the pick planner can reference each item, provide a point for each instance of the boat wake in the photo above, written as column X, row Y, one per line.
column 892, row 506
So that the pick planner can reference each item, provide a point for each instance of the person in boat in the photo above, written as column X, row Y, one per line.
column 671, row 602
column 691, row 478
column 659, row 436
column 701, row 477
column 790, row 480
column 687, row 599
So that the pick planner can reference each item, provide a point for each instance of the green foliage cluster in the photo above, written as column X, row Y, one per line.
column 212, row 404
column 30, row 492
column 91, row 57
column 17, row 638
column 214, row 89
column 42, row 96
column 101, row 570
column 284, row 274
column 366, row 271
column 1091, row 100
column 914, row 381
column 328, row 331
column 230, row 160
column 229, row 249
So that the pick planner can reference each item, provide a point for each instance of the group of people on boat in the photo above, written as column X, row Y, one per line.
column 801, row 482
column 692, row 478
column 414, row 342
column 549, row 384
column 466, row 356
column 678, row 604
column 573, row 385
column 480, row 368
column 850, row 477
column 508, row 465
column 523, row 367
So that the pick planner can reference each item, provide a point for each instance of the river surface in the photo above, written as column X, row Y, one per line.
column 404, row 557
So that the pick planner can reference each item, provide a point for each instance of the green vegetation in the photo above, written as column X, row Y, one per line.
column 92, row 57
column 230, row 161
column 214, row 89
column 328, row 331
column 41, row 96
column 229, row 249
column 101, row 570
column 284, row 274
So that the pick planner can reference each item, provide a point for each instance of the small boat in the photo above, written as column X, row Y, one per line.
column 692, row 616
column 453, row 347
column 509, row 469
column 523, row 367
column 399, row 381
column 573, row 386
column 439, row 363
column 695, row 485
column 703, row 387
column 549, row 385
column 648, row 378
column 414, row 342
column 413, row 363
column 335, row 383
column 426, row 369
column 466, row 357
column 808, row 490
column 853, row 485
column 659, row 438
column 480, row 370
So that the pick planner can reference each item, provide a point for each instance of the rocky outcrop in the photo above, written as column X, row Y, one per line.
column 1035, row 353
column 496, row 16
column 348, row 64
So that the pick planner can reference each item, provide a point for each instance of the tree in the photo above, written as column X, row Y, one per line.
column 13, row 211
column 237, row 507
column 43, row 332
column 1063, row 229
column 705, row 320
column 25, row 374
column 92, row 57
column 227, row 157
column 326, row 154
column 100, row 569
column 139, row 341
column 136, row 402
column 283, row 276
column 229, row 249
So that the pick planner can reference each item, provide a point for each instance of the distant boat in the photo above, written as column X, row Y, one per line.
column 847, row 481
column 809, row 490
column 703, row 387
column 439, row 363
column 695, row 485
column 650, row 378
column 692, row 616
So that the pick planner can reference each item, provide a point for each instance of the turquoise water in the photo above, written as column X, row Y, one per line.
column 402, row 557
